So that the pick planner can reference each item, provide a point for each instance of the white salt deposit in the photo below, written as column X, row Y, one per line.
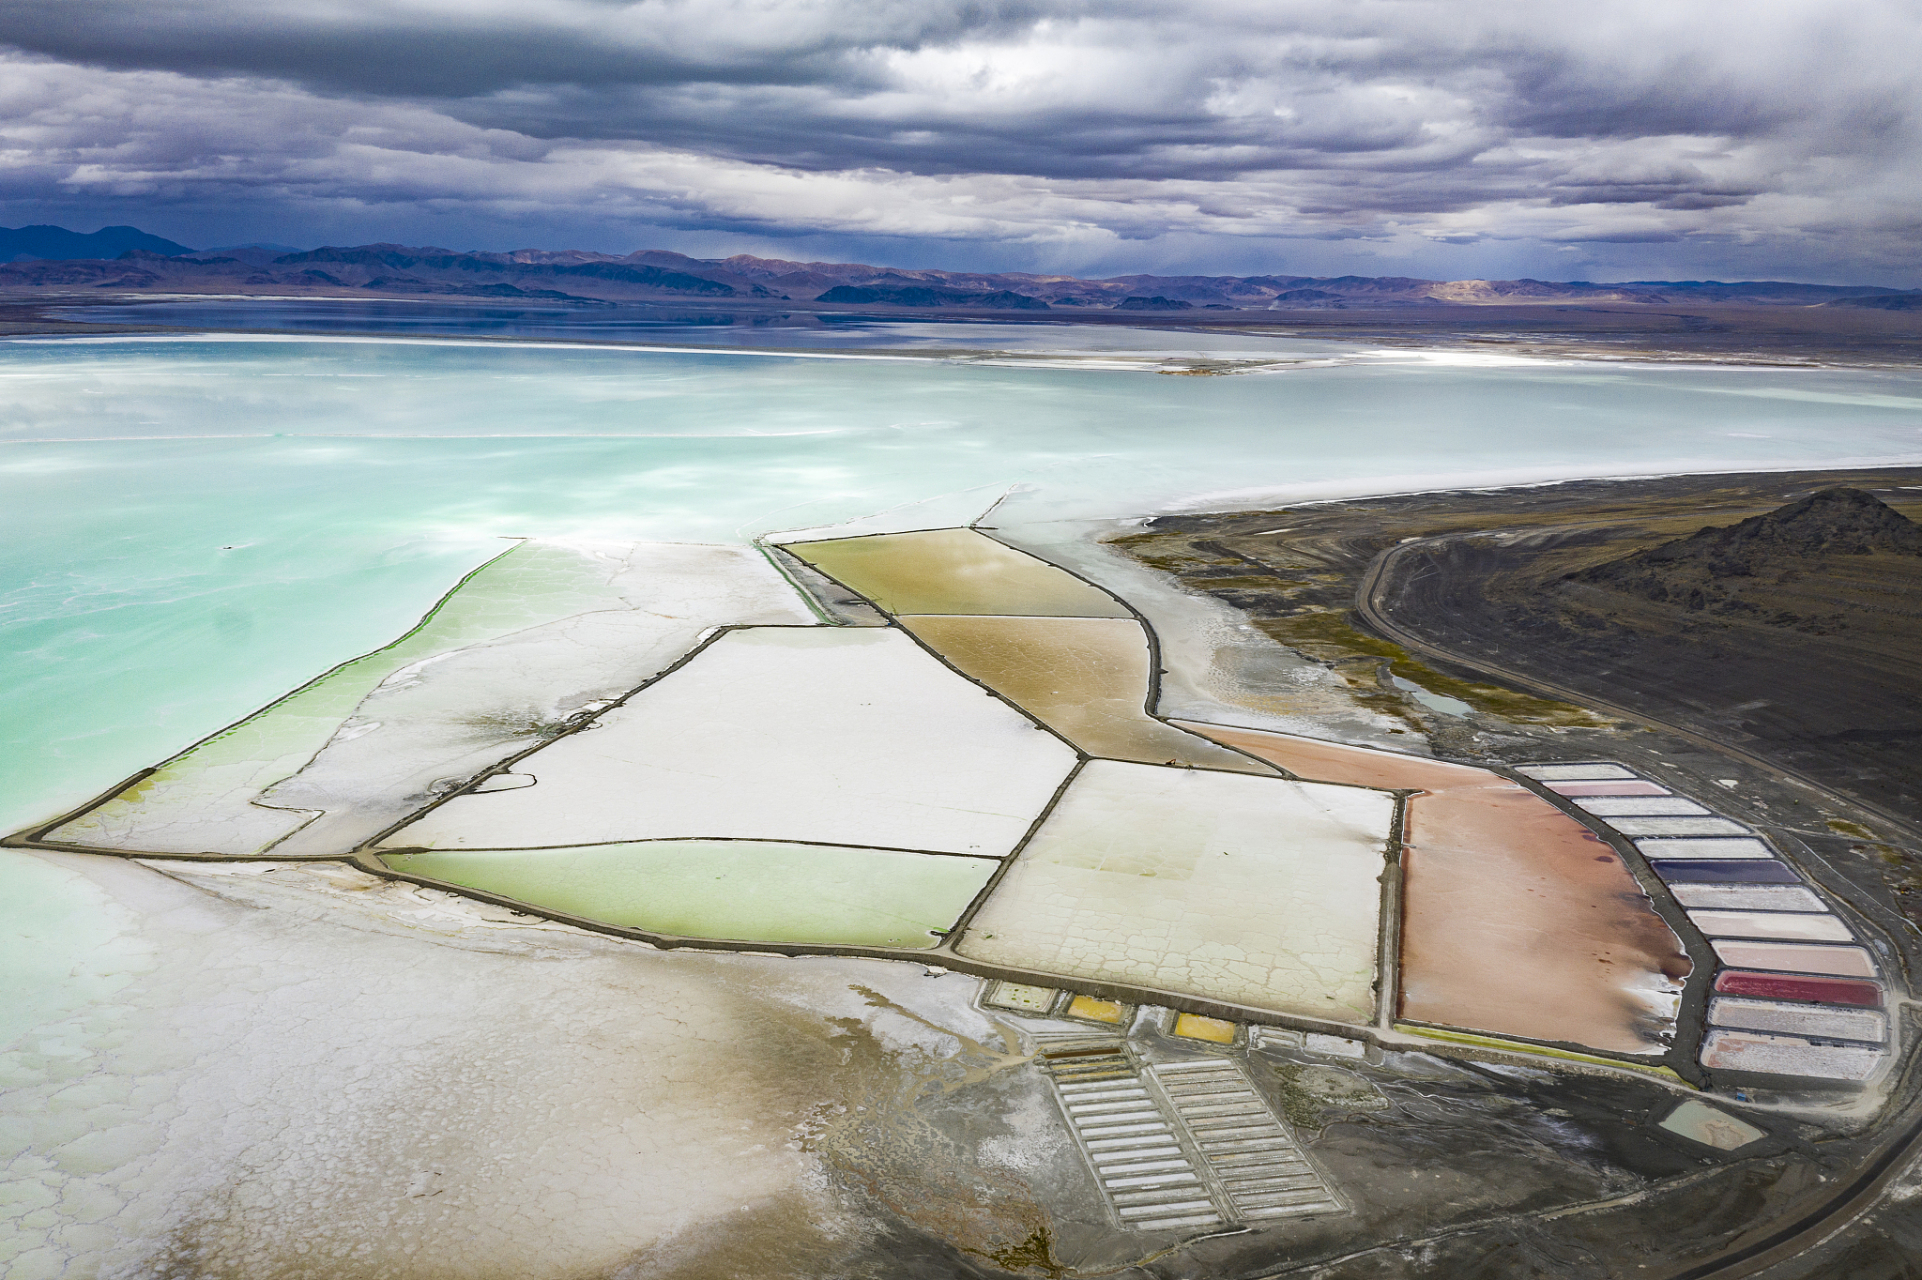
column 1249, row 890
column 1747, row 897
column 320, row 1073
column 1628, row 806
column 1796, row 927
column 1683, row 826
column 1731, row 847
column 536, row 636
column 1818, row 1021
column 838, row 735
column 1787, row 1056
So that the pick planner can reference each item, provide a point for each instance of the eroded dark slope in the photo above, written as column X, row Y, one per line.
column 1784, row 568
column 1798, row 630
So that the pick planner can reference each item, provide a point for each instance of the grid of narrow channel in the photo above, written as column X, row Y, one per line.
column 1250, row 1154
column 1148, row 1179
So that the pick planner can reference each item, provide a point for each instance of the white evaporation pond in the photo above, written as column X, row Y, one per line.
column 337, row 762
column 1251, row 891
column 836, row 735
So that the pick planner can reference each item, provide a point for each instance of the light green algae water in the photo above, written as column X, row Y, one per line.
column 767, row 891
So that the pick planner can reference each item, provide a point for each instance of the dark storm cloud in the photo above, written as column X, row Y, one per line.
column 469, row 50
column 1395, row 122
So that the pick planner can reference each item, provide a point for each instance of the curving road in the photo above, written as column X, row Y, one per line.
column 1857, row 1196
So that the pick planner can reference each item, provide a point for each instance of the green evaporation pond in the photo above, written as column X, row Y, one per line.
column 747, row 890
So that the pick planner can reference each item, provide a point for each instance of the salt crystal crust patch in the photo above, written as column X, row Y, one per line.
column 1811, row 1021
column 838, row 735
column 1256, row 891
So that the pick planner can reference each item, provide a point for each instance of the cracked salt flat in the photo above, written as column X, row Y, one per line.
column 1085, row 678
column 955, row 571
column 838, row 735
column 531, row 638
column 1257, row 891
column 318, row 1073
column 732, row 889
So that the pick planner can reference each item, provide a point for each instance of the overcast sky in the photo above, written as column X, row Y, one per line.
column 1630, row 139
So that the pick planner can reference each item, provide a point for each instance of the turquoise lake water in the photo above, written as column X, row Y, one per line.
column 198, row 524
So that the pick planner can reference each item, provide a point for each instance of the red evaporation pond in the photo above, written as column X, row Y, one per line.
column 1775, row 986
column 1633, row 788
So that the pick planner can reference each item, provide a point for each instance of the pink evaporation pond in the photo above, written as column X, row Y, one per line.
column 1636, row 788
column 1779, row 986
column 1517, row 920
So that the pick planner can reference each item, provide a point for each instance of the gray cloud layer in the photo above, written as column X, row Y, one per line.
column 1400, row 133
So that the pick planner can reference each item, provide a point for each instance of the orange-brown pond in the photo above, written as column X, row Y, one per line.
column 1319, row 761
column 1085, row 678
column 955, row 571
column 1516, row 919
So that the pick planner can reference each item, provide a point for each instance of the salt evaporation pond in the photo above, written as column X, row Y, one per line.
column 201, row 524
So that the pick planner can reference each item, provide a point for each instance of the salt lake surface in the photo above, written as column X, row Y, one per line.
column 202, row 523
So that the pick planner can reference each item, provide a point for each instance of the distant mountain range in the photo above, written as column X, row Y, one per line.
column 59, row 243
column 125, row 258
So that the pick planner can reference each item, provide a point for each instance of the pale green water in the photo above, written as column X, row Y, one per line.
column 198, row 526
column 767, row 891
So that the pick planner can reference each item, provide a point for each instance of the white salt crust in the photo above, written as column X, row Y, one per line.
column 1631, row 806
column 1747, row 897
column 1786, row 926
column 1726, row 847
column 1576, row 772
column 547, row 631
column 319, row 1073
column 1251, row 890
column 1682, row 826
column 1787, row 1056
column 838, row 735
column 1817, row 1021
column 1795, row 957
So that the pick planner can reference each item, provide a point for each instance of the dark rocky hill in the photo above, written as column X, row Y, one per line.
column 1753, row 567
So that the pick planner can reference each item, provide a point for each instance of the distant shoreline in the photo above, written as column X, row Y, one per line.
column 1719, row 334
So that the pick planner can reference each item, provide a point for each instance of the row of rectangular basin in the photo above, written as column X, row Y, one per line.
column 1796, row 994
